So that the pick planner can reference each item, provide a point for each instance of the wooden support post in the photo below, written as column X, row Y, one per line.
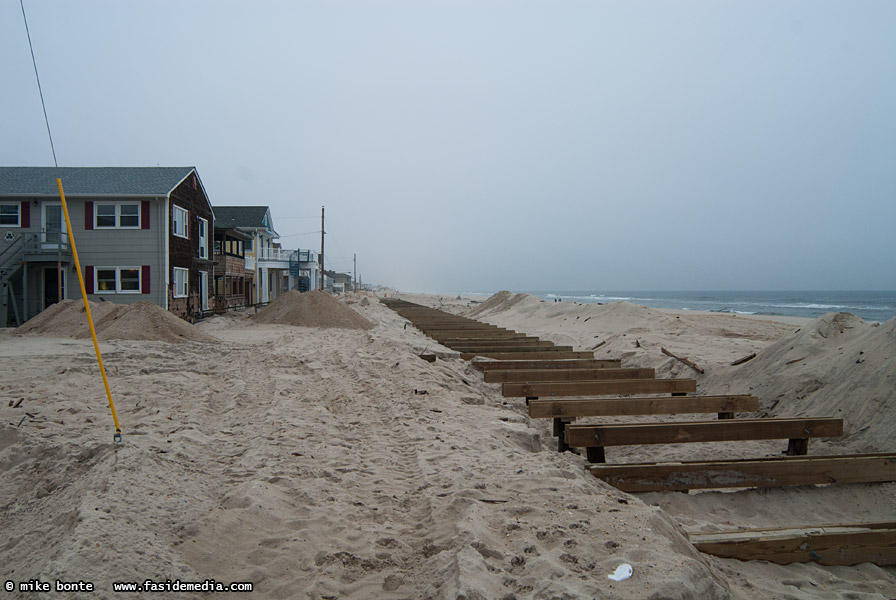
column 12, row 300
column 595, row 454
column 560, row 432
column 797, row 447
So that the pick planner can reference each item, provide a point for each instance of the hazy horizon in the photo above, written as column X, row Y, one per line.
column 505, row 144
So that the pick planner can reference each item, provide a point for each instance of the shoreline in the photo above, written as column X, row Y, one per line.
column 472, row 300
column 878, row 308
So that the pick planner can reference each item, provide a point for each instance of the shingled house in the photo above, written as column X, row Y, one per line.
column 268, row 262
column 142, row 233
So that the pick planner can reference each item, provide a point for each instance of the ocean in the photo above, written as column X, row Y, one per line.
column 870, row 305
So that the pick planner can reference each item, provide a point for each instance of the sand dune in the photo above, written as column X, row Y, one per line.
column 335, row 463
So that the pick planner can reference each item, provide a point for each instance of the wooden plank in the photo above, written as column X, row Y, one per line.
column 486, row 343
column 652, row 405
column 526, row 355
column 826, row 545
column 516, row 338
column 543, row 375
column 762, row 472
column 726, row 430
column 517, row 348
column 437, row 326
column 469, row 326
column 584, row 363
column 613, row 387
column 683, row 359
column 468, row 346
column 486, row 333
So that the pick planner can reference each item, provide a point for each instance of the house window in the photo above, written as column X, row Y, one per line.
column 181, row 281
column 129, row 280
column 129, row 215
column 116, row 215
column 117, row 280
column 9, row 215
column 248, row 245
column 179, row 222
column 203, row 238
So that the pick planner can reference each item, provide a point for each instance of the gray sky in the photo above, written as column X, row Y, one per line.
column 483, row 145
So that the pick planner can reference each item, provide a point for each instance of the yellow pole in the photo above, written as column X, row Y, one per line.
column 96, row 346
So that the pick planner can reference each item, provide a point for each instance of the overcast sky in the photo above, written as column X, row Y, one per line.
column 484, row 145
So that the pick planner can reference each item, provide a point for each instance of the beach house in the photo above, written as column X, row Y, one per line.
column 234, row 279
column 264, row 256
column 275, row 270
column 142, row 234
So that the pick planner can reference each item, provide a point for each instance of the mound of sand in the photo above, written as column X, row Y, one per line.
column 66, row 319
column 145, row 321
column 499, row 302
column 138, row 321
column 311, row 309
column 838, row 365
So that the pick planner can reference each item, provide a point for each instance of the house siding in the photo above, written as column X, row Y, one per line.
column 96, row 248
column 184, row 252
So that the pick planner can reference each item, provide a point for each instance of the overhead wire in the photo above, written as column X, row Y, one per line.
column 39, row 89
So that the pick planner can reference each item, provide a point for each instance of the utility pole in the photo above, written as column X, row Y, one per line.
column 355, row 276
column 322, row 247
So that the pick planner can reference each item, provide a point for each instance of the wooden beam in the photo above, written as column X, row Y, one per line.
column 726, row 430
column 486, row 333
column 450, row 326
column 514, row 348
column 543, row 375
column 655, row 405
column 746, row 358
column 612, row 387
column 519, row 338
column 827, row 545
column 435, row 326
column 760, row 472
column 584, row 363
column 526, row 355
column 485, row 343
column 683, row 359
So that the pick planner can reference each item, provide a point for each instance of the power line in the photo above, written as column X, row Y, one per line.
column 338, row 248
column 297, row 234
column 36, row 76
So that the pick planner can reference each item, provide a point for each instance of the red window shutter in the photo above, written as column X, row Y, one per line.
column 88, row 277
column 144, row 216
column 26, row 214
column 144, row 279
column 88, row 219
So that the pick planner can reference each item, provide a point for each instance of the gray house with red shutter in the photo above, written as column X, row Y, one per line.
column 142, row 234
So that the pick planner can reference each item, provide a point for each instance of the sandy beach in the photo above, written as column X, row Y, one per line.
column 325, row 459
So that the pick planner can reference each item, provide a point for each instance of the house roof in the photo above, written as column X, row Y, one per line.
column 91, row 181
column 241, row 216
column 244, row 217
column 338, row 276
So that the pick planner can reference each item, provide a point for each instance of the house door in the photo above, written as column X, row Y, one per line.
column 203, row 290
column 52, row 226
column 51, row 286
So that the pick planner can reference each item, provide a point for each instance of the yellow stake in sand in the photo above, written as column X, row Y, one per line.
column 96, row 346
